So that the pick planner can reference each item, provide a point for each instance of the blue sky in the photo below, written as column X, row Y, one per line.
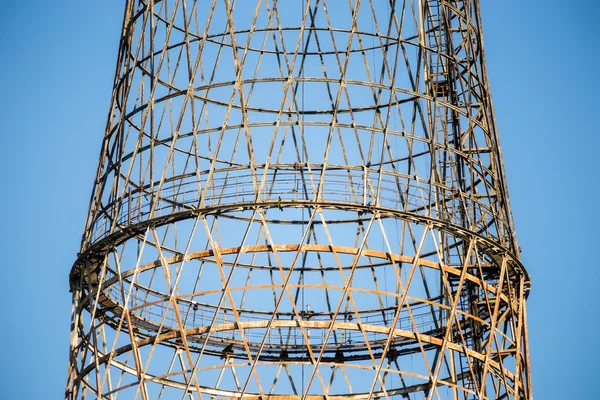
column 55, row 77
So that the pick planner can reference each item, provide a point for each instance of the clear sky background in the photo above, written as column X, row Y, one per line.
column 57, row 60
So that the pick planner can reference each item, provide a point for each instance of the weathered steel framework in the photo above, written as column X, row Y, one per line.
column 300, row 200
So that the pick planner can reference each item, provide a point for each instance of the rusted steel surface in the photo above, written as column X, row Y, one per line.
column 298, row 201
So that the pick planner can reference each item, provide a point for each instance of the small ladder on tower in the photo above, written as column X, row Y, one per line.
column 436, row 41
column 465, row 304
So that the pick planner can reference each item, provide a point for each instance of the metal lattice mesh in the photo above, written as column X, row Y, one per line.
column 300, row 200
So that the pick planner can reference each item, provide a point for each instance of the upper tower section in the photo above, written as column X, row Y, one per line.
column 370, row 102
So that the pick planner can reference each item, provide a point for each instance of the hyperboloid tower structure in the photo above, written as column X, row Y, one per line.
column 300, row 200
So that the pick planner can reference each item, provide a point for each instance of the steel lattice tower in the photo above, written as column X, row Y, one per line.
column 300, row 200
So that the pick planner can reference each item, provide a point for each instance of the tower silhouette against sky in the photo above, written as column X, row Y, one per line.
column 300, row 199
